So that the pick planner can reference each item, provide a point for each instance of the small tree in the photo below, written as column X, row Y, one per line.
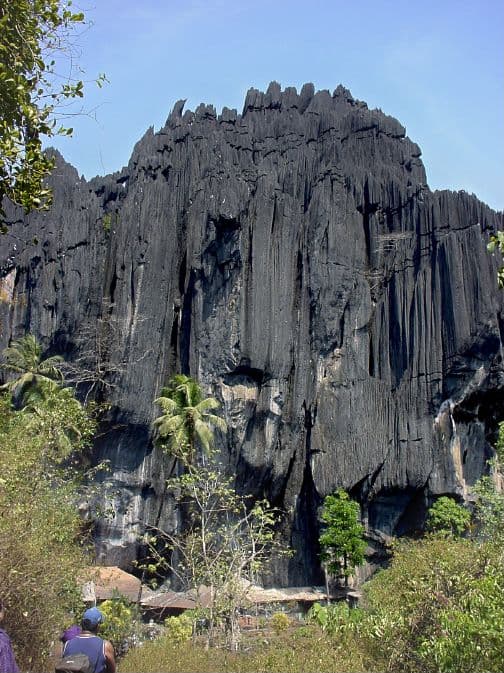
column 225, row 538
column 447, row 517
column 342, row 538
column 221, row 548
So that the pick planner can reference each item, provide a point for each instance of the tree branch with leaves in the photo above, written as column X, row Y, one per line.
column 496, row 243
column 33, row 35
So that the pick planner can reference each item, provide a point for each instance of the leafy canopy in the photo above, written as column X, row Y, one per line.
column 489, row 492
column 33, row 34
column 447, row 517
column 499, row 444
column 341, row 540
column 438, row 608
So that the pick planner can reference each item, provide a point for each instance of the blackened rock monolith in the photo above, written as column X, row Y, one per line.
column 292, row 259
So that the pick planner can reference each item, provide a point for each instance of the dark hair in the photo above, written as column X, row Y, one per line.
column 89, row 626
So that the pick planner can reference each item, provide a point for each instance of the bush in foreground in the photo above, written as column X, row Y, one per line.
column 438, row 608
column 43, row 428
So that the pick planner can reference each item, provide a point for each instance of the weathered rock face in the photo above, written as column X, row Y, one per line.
column 295, row 262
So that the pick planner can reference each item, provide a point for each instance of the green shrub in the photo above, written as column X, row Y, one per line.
column 439, row 607
column 107, row 222
column 447, row 517
column 305, row 631
column 279, row 622
column 335, row 618
column 179, row 628
column 120, row 621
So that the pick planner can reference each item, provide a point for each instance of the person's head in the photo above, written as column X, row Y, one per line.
column 91, row 620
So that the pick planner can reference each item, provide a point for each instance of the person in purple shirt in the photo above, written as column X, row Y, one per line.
column 70, row 633
column 7, row 659
column 100, row 652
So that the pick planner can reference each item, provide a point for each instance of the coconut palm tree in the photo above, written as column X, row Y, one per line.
column 32, row 375
column 186, row 420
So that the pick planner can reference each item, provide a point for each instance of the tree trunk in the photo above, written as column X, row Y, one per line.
column 326, row 577
column 235, row 631
column 165, row 491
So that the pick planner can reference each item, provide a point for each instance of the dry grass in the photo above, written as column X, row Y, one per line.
column 302, row 650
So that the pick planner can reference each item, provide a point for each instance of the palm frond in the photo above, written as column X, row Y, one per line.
column 23, row 358
column 24, row 352
column 50, row 368
column 217, row 421
column 167, row 425
column 11, row 367
column 167, row 404
column 204, row 434
column 207, row 404
column 189, row 388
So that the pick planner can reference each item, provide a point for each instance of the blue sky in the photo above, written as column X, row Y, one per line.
column 438, row 67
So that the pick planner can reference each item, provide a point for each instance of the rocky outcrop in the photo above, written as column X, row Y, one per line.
column 293, row 259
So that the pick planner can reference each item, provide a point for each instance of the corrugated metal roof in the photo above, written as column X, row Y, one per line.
column 257, row 594
column 168, row 599
column 103, row 581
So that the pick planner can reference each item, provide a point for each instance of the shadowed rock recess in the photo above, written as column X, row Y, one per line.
column 295, row 262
